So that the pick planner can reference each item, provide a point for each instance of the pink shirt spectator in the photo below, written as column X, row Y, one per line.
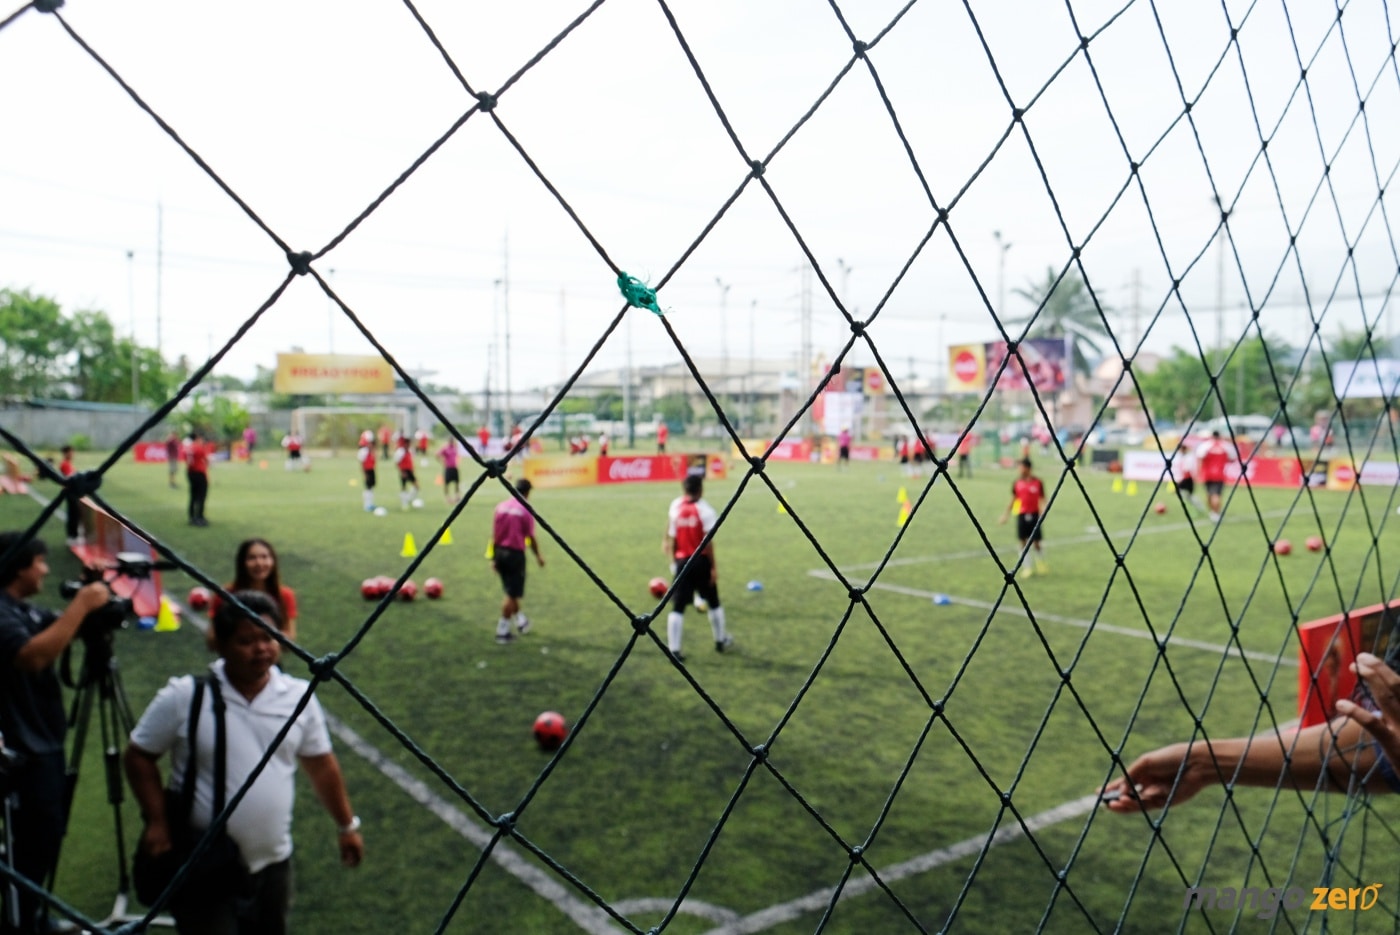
column 844, row 439
column 448, row 454
column 511, row 525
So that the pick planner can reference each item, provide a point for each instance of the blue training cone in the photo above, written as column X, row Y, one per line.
column 942, row 599
column 755, row 585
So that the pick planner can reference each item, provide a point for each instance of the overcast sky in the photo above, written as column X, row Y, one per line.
column 309, row 109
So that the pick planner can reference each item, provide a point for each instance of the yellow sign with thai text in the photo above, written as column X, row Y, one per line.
column 305, row 374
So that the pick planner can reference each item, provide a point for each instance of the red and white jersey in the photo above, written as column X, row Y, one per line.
column 690, row 520
column 1030, row 491
column 403, row 457
column 1184, row 465
column 291, row 442
column 366, row 456
column 1212, row 458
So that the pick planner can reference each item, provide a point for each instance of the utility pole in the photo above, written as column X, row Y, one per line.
column 505, row 304
column 752, row 394
column 1002, row 247
column 330, row 314
column 1220, row 299
column 131, row 311
column 160, row 269
column 804, row 366
column 723, row 339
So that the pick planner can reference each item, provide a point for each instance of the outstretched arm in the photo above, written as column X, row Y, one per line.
column 329, row 784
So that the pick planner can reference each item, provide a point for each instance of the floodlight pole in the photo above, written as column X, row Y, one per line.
column 1003, row 246
column 330, row 315
column 723, row 337
column 753, row 408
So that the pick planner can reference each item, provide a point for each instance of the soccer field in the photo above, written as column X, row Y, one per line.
column 952, row 747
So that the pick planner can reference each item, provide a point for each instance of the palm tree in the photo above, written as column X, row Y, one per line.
column 1069, row 310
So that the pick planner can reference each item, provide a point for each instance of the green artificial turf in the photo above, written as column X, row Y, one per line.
column 885, row 720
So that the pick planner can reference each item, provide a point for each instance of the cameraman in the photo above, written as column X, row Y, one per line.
column 31, row 711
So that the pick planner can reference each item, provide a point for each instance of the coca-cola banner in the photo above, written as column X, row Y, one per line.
column 641, row 468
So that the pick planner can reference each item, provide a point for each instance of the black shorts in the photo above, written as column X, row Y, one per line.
column 510, row 565
column 1215, row 487
column 407, row 480
column 844, row 453
column 293, row 454
column 1187, row 484
column 450, row 476
column 1028, row 527
column 369, row 478
column 694, row 581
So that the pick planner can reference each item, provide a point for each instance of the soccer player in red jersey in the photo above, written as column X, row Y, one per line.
column 690, row 520
column 1211, row 460
column 367, row 464
column 196, row 454
column 1027, row 493
column 408, row 480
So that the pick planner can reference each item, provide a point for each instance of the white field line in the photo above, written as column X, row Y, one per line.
column 817, row 900
column 1092, row 534
column 1018, row 611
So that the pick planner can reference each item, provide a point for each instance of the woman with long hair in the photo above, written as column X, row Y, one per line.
column 255, row 568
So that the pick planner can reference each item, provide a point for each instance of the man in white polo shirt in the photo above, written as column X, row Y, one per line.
column 259, row 699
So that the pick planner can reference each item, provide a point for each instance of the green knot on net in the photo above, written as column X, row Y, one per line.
column 637, row 293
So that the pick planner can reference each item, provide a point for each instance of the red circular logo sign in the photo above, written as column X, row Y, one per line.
column 965, row 366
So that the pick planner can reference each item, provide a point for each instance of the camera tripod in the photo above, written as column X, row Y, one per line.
column 99, row 686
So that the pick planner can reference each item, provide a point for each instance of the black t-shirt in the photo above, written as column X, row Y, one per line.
column 31, row 703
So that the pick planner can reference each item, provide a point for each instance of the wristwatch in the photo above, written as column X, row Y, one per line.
column 350, row 828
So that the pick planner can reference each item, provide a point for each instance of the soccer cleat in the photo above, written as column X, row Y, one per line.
column 506, row 637
column 1042, row 568
column 524, row 625
column 677, row 655
column 1026, row 572
column 724, row 644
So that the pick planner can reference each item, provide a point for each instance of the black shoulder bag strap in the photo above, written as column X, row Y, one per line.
column 220, row 745
column 186, row 800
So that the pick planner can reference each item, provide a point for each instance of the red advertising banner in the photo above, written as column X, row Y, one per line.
column 149, row 452
column 1263, row 472
column 1326, row 649
column 643, row 468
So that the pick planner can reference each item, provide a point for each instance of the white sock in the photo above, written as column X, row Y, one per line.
column 519, row 618
column 368, row 498
column 403, row 499
column 502, row 627
column 675, row 623
column 717, row 623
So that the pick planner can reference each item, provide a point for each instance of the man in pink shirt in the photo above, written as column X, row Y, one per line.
column 451, row 479
column 512, row 528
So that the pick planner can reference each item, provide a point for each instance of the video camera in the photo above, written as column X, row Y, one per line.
column 115, row 614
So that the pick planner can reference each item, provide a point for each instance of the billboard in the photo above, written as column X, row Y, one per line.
column 1039, row 362
column 1366, row 379
column 307, row 374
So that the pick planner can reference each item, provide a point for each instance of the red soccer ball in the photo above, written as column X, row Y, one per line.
column 1159, row 508
column 1315, row 543
column 199, row 598
column 383, row 584
column 657, row 586
column 408, row 591
column 550, row 730
column 369, row 589
column 432, row 588
column 1283, row 547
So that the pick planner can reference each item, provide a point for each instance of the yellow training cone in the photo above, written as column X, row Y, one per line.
column 446, row 536
column 410, row 548
column 1016, row 507
column 1117, row 485
column 1132, row 488
column 782, row 509
column 166, row 621
column 904, row 511
column 902, row 496
column 490, row 549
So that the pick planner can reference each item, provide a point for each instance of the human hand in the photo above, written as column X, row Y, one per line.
column 352, row 849
column 1151, row 777
column 1384, row 685
column 92, row 596
column 155, row 839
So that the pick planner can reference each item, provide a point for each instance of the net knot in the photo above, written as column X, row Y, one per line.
column 859, row 48
column 760, row 752
column 858, row 328
column 756, row 169
column 325, row 665
column 637, row 293
column 47, row 6
column 640, row 623
column 84, row 483
column 301, row 262
column 486, row 101
column 856, row 853
column 495, row 468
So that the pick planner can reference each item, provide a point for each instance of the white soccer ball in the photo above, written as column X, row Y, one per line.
column 380, row 511
column 418, row 504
